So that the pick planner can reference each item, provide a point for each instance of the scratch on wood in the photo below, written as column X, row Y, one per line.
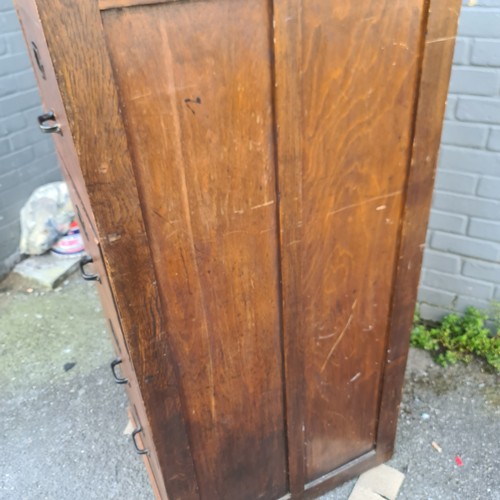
column 339, row 338
column 400, row 44
column 158, row 214
column 186, row 272
column 234, row 232
column 355, row 377
column 140, row 96
column 112, row 237
column 169, row 235
column 370, row 200
column 324, row 337
column 103, row 167
column 266, row 204
column 436, row 40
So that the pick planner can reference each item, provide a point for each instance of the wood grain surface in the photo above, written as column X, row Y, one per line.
column 436, row 54
column 359, row 69
column 258, row 177
column 85, row 80
column 288, row 112
column 198, row 111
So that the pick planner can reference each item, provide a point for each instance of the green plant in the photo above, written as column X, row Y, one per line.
column 460, row 338
column 495, row 314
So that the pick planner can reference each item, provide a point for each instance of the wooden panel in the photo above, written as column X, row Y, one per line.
column 196, row 99
column 288, row 105
column 359, row 71
column 189, row 229
column 435, row 75
column 85, row 80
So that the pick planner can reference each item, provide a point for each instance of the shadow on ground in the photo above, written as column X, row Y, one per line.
column 63, row 417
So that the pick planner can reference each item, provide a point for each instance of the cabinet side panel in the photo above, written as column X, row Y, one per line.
column 359, row 71
column 194, row 80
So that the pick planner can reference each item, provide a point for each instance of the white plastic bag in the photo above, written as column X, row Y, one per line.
column 45, row 217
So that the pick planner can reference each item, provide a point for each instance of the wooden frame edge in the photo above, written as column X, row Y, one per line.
column 432, row 91
column 288, row 133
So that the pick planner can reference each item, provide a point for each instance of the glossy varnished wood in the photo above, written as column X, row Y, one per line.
column 288, row 112
column 436, row 55
column 200, row 129
column 359, row 75
column 254, row 182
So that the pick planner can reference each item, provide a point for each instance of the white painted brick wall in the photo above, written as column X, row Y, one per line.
column 462, row 258
column 27, row 158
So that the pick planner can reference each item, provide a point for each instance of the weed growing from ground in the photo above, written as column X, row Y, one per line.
column 460, row 338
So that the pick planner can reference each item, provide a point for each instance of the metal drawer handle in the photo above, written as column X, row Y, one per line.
column 87, row 259
column 138, row 450
column 38, row 59
column 114, row 364
column 49, row 129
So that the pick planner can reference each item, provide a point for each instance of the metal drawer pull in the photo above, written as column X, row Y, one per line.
column 38, row 59
column 144, row 451
column 49, row 129
column 114, row 364
column 87, row 259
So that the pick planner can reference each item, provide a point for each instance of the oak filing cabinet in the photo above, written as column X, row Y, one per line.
column 252, row 180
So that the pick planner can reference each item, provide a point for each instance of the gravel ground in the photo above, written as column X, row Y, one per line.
column 63, row 418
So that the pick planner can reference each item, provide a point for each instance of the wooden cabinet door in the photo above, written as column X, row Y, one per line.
column 356, row 156
column 260, row 176
column 359, row 64
column 197, row 106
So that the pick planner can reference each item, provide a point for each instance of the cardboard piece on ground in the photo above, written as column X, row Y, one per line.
column 360, row 493
column 47, row 271
column 382, row 482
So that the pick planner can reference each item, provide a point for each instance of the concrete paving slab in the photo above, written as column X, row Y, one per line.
column 48, row 270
